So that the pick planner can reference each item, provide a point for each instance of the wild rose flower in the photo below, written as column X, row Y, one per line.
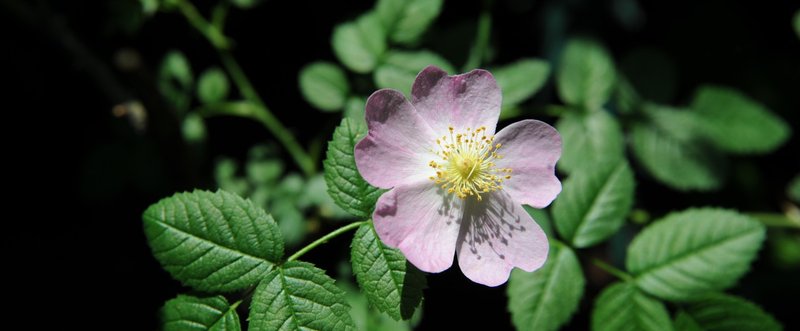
column 455, row 186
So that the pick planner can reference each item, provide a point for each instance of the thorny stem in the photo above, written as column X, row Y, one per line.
column 260, row 110
column 325, row 239
column 612, row 270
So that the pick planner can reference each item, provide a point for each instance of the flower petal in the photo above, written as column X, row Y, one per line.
column 399, row 144
column 422, row 221
column 464, row 101
column 530, row 148
column 497, row 235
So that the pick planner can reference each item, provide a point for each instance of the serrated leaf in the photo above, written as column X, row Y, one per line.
column 390, row 283
column 345, row 185
column 622, row 306
column 546, row 299
column 298, row 296
column 188, row 313
column 324, row 85
column 213, row 242
column 721, row 312
column 586, row 74
column 407, row 20
column 687, row 254
column 736, row 123
column 668, row 149
column 521, row 79
column 589, row 138
column 594, row 202
column 359, row 44
column 399, row 69
column 212, row 86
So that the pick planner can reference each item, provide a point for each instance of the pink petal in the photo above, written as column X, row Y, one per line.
column 464, row 101
column 497, row 235
column 399, row 144
column 530, row 148
column 421, row 221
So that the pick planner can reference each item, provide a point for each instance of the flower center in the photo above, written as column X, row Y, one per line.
column 466, row 166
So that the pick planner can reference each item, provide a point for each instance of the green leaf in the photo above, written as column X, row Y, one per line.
column 542, row 217
column 794, row 189
column 667, row 148
column 547, row 298
column 521, row 79
column 299, row 296
column 345, row 185
column 324, row 85
column 407, row 20
column 797, row 23
column 623, row 307
column 586, row 74
column 594, row 202
column 687, row 254
column 149, row 7
column 733, row 122
column 355, row 109
column 721, row 312
column 367, row 318
column 390, row 283
column 589, row 138
column 175, row 79
column 245, row 4
column 359, row 45
column 188, row 313
column 193, row 128
column 212, row 86
column 213, row 242
column 626, row 98
column 400, row 68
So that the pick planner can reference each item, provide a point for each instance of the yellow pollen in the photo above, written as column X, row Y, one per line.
column 467, row 166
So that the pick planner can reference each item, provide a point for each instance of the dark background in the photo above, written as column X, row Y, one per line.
column 80, row 177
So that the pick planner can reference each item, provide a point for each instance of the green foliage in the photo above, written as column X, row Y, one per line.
column 175, row 79
column 345, row 185
column 406, row 20
column 245, row 4
column 324, row 85
column 589, row 138
column 735, row 123
column 193, row 128
column 622, row 306
column 360, row 44
column 389, row 282
column 722, row 312
column 541, row 217
column 594, row 202
column 687, row 254
column 586, row 74
column 366, row 317
column 355, row 109
column 794, row 189
column 399, row 69
column 212, row 86
column 299, row 296
column 188, row 313
column 213, row 242
column 668, row 149
column 796, row 23
column 521, row 79
column 547, row 298
column 149, row 7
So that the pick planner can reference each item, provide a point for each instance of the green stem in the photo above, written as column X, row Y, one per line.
column 612, row 270
column 478, row 51
column 260, row 112
column 325, row 239
column 219, row 14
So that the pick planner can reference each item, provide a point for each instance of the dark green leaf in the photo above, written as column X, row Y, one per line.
column 622, row 306
column 213, row 241
column 298, row 296
column 400, row 68
column 324, row 85
column 687, row 254
column 594, row 202
column 722, row 312
column 188, row 313
column 359, row 45
column 588, row 139
column 586, row 74
column 546, row 299
column 407, row 20
column 345, row 185
column 390, row 283
column 521, row 79
column 212, row 86
column 735, row 123
column 668, row 149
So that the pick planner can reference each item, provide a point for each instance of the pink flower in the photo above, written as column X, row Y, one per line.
column 455, row 186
